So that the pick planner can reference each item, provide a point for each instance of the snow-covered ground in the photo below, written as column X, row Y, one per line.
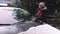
column 42, row 29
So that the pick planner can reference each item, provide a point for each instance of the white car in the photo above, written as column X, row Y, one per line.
column 7, row 18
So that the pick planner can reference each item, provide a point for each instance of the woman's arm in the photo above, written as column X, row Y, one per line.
column 45, row 8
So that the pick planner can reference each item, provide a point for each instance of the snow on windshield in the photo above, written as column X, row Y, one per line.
column 6, row 16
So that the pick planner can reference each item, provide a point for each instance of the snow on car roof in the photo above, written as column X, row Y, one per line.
column 8, row 8
column 2, row 4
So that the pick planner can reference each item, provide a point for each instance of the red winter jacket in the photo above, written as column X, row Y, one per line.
column 39, row 14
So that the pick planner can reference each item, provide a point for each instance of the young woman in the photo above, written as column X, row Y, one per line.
column 40, row 15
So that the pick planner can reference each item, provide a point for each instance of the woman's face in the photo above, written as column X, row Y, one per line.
column 41, row 5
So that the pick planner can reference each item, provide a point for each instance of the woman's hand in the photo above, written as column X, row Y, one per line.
column 45, row 8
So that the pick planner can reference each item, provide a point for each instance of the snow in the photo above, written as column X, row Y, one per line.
column 8, row 30
column 6, row 16
column 3, row 4
column 42, row 29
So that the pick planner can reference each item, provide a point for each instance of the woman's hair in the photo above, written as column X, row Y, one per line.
column 41, row 4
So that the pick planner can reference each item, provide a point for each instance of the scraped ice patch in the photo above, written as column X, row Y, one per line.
column 8, row 30
column 42, row 29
